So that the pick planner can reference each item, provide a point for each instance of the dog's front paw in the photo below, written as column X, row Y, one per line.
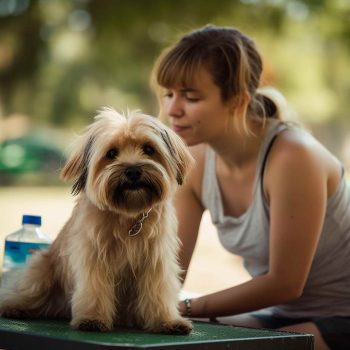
column 177, row 327
column 91, row 326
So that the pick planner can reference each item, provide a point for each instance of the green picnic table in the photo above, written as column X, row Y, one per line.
column 57, row 335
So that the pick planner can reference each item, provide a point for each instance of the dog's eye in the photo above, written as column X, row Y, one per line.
column 112, row 153
column 149, row 150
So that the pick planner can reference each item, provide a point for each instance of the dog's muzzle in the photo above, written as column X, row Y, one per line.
column 133, row 174
column 133, row 179
column 136, row 185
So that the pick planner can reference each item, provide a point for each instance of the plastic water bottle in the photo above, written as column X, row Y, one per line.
column 20, row 246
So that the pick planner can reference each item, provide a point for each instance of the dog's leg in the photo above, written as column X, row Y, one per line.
column 36, row 293
column 93, row 300
column 157, row 289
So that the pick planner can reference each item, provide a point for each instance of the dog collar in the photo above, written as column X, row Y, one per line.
column 137, row 227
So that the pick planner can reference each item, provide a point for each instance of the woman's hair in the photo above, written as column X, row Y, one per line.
column 233, row 61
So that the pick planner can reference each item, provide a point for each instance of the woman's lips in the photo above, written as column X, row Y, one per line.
column 178, row 128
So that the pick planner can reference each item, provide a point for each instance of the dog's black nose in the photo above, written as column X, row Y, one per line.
column 133, row 173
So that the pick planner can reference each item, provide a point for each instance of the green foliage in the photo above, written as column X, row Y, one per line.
column 61, row 60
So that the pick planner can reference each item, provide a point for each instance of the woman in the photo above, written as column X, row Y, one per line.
column 277, row 197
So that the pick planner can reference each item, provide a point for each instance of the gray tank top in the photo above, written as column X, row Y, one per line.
column 327, row 289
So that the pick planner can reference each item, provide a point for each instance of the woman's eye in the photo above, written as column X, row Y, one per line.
column 168, row 95
column 192, row 98
column 149, row 150
column 112, row 153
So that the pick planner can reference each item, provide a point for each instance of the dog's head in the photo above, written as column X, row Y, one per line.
column 127, row 164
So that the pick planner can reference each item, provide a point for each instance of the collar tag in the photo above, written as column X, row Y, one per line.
column 137, row 227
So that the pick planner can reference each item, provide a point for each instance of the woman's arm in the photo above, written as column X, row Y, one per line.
column 296, row 186
column 189, row 209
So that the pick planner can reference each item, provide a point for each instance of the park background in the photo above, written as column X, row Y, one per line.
column 61, row 60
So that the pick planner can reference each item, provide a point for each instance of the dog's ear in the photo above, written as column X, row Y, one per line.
column 76, row 167
column 179, row 153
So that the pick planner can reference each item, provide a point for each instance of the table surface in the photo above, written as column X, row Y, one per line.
column 57, row 335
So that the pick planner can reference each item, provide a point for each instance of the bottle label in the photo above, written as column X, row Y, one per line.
column 18, row 253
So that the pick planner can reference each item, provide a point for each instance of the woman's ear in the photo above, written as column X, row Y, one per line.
column 238, row 104
column 238, row 107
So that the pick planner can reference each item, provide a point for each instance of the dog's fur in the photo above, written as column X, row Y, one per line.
column 94, row 273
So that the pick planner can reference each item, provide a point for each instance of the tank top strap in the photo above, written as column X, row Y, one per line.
column 274, row 129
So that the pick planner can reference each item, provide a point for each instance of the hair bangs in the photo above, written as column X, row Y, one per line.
column 178, row 68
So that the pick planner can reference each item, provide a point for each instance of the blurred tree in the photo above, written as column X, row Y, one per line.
column 61, row 59
column 20, row 49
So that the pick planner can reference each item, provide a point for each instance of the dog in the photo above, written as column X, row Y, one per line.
column 114, row 263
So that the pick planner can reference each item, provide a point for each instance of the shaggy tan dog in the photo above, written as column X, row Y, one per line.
column 115, row 260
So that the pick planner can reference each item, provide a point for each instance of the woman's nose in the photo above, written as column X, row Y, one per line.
column 174, row 107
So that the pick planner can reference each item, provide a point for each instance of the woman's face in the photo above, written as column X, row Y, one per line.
column 196, row 112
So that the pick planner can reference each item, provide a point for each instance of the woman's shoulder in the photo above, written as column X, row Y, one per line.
column 297, row 151
column 296, row 141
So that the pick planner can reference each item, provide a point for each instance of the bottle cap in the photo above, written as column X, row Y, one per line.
column 31, row 219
